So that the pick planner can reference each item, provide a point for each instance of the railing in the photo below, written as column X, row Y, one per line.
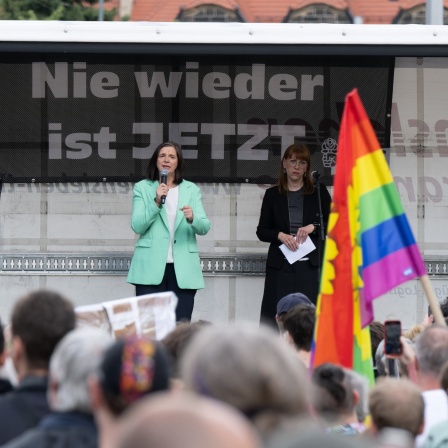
column 118, row 264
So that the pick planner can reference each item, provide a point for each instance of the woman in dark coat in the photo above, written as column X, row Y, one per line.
column 290, row 213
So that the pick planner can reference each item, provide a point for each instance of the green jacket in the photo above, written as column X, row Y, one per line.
column 151, row 250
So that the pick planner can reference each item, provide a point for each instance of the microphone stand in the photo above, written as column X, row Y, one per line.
column 316, row 177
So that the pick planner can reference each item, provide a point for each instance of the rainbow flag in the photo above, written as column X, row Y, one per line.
column 370, row 248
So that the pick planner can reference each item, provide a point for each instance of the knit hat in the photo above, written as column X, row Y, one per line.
column 134, row 366
column 291, row 300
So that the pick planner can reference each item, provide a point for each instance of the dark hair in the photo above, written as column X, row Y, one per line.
column 153, row 172
column 300, row 152
column 376, row 336
column 443, row 307
column 41, row 319
column 299, row 323
column 332, row 392
column 178, row 339
column 131, row 368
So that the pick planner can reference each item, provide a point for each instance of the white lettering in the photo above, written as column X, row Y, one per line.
column 309, row 83
column 247, row 151
column 155, row 131
column 103, row 138
column 104, row 85
column 54, row 141
column 252, row 84
column 79, row 80
column 283, row 87
column 168, row 89
column 192, row 80
column 42, row 77
column 218, row 131
column 255, row 80
column 287, row 133
column 81, row 145
column 76, row 141
column 176, row 131
column 216, row 85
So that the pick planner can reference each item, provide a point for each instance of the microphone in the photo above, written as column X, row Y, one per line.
column 315, row 175
column 163, row 179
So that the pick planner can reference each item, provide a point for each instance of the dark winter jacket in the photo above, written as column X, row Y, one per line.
column 23, row 408
column 60, row 430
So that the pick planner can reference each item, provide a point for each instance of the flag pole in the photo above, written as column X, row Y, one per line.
column 432, row 300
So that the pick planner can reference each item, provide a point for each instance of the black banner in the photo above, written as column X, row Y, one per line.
column 72, row 117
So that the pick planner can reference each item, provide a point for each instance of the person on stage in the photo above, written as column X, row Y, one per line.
column 289, row 214
column 168, row 214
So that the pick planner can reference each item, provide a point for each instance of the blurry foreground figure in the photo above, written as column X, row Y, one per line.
column 175, row 343
column 131, row 368
column 179, row 420
column 396, row 403
column 431, row 353
column 250, row 368
column 5, row 364
column 312, row 438
column 334, row 398
column 38, row 322
column 71, row 423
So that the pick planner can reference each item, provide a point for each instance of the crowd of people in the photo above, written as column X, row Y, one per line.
column 240, row 386
column 204, row 385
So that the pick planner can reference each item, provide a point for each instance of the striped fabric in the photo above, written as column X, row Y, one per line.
column 370, row 248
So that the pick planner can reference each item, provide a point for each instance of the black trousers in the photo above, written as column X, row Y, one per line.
column 300, row 276
column 185, row 303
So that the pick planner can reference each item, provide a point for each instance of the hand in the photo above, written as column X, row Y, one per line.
column 188, row 213
column 407, row 356
column 162, row 190
column 303, row 233
column 289, row 241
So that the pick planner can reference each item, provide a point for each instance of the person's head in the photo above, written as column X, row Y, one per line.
column 177, row 340
column 295, row 164
column 299, row 326
column 74, row 359
column 396, row 403
column 287, row 303
column 39, row 321
column 187, row 421
column 131, row 368
column 360, row 384
column 168, row 155
column 431, row 351
column 443, row 307
column 376, row 336
column 311, row 437
column 250, row 368
column 333, row 396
